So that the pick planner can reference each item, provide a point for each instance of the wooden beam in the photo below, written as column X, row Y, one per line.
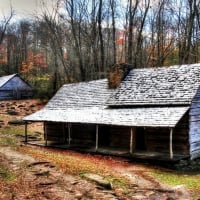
column 69, row 133
column 63, row 131
column 45, row 134
column 26, row 132
column 97, row 137
column 131, row 141
column 171, row 143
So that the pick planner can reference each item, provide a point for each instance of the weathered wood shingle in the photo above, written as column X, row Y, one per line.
column 84, row 94
column 175, row 85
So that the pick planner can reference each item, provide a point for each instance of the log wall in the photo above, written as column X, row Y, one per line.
column 157, row 139
column 83, row 134
column 80, row 134
column 194, row 133
column 55, row 131
column 119, row 137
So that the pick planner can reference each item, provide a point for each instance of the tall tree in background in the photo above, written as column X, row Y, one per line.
column 139, row 51
column 132, row 9
column 4, row 24
column 101, row 35
column 54, row 31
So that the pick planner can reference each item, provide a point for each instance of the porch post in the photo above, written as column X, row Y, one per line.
column 97, row 137
column 69, row 134
column 26, row 136
column 131, row 141
column 170, row 143
column 45, row 133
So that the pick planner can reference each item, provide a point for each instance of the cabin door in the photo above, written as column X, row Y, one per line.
column 140, row 141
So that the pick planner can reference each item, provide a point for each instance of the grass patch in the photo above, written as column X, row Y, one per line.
column 8, row 141
column 6, row 174
column 13, row 130
column 191, row 181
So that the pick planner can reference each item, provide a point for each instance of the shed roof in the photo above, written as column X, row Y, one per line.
column 175, row 85
column 5, row 79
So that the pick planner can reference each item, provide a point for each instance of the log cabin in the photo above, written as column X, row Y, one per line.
column 154, row 112
column 14, row 87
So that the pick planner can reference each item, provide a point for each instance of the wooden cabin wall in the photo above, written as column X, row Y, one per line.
column 181, row 136
column 157, row 139
column 6, row 94
column 194, row 132
column 15, row 94
column 15, row 88
column 117, row 137
column 83, row 134
column 55, row 131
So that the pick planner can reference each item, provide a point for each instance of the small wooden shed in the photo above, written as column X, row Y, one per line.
column 14, row 87
column 154, row 111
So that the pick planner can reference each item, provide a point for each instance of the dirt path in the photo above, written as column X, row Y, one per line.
column 47, row 182
column 42, row 180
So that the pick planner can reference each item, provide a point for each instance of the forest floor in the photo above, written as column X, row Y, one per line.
column 32, row 172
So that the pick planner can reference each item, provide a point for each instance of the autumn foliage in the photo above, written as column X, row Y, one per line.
column 35, row 62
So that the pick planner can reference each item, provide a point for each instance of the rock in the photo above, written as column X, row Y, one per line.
column 38, row 163
column 78, row 196
column 99, row 180
column 139, row 197
column 47, row 183
column 181, row 192
column 42, row 173
column 12, row 112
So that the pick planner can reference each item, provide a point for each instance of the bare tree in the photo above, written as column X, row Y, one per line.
column 132, row 9
column 138, row 50
column 113, row 10
column 4, row 24
column 101, row 35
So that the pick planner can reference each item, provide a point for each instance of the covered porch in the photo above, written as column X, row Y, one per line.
column 125, row 141
column 145, row 132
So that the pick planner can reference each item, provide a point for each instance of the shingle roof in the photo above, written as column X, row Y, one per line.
column 84, row 103
column 175, row 85
column 84, row 94
column 139, row 117
column 5, row 79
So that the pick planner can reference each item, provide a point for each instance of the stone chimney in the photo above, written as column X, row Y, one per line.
column 117, row 74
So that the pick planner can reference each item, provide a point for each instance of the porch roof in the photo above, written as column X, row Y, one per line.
column 136, row 117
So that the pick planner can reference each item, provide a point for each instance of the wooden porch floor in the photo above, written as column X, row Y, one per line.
column 135, row 156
